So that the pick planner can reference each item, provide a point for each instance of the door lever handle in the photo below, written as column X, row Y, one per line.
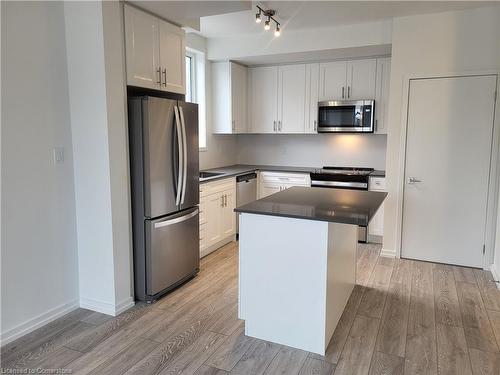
column 413, row 180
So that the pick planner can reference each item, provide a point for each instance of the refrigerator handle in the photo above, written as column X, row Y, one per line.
column 181, row 161
column 184, row 158
column 176, row 220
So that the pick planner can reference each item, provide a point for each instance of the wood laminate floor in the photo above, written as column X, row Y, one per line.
column 403, row 317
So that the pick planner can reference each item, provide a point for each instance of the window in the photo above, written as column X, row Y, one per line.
column 195, row 89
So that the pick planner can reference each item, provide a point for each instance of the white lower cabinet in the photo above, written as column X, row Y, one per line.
column 376, row 227
column 274, row 182
column 217, row 216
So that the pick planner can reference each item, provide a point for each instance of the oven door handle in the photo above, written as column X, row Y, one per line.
column 333, row 184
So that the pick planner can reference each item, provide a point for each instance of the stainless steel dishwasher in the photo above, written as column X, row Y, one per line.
column 246, row 192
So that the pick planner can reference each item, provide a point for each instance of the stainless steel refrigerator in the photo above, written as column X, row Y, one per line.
column 164, row 165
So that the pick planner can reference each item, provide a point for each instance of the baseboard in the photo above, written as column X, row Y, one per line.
column 217, row 245
column 106, row 307
column 372, row 238
column 496, row 274
column 37, row 322
column 126, row 304
column 388, row 253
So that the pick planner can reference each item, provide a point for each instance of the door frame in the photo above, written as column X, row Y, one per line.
column 494, row 176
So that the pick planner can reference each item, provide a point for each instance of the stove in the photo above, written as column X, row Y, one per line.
column 341, row 177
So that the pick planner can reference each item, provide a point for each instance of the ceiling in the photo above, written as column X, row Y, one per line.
column 188, row 13
column 298, row 15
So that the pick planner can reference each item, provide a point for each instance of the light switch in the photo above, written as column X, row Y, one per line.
column 58, row 155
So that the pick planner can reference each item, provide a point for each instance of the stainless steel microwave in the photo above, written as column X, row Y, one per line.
column 346, row 116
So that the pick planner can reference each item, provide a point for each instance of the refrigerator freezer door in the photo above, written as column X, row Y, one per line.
column 189, row 120
column 161, row 157
column 172, row 249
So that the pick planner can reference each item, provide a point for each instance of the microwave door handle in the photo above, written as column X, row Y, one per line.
column 184, row 158
column 180, row 161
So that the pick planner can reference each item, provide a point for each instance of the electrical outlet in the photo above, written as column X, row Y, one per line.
column 58, row 155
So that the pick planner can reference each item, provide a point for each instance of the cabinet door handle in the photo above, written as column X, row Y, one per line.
column 342, row 92
column 315, row 127
column 159, row 76
column 222, row 201
column 234, row 125
column 274, row 125
column 165, row 77
column 225, row 200
column 376, row 125
column 348, row 92
column 279, row 125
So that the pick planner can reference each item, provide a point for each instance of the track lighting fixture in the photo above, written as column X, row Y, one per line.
column 270, row 17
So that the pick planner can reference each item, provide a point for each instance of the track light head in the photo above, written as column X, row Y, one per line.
column 277, row 32
column 257, row 17
column 267, row 26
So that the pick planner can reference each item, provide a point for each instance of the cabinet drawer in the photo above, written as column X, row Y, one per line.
column 218, row 186
column 296, row 179
column 377, row 183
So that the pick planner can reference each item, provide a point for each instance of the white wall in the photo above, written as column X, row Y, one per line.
column 313, row 150
column 97, row 107
column 429, row 44
column 221, row 149
column 38, row 248
column 293, row 41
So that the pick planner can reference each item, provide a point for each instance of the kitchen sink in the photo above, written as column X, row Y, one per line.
column 209, row 174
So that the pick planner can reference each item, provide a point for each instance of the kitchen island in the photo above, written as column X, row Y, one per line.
column 297, row 262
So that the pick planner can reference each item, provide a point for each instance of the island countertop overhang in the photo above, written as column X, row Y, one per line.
column 356, row 207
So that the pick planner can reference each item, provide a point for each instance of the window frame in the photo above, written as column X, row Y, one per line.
column 192, row 75
column 198, row 91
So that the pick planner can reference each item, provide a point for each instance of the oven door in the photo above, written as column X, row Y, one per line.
column 345, row 116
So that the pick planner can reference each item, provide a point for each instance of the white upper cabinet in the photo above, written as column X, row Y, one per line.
column 172, row 58
column 155, row 52
column 361, row 79
column 291, row 99
column 142, row 53
column 332, row 84
column 382, row 94
column 263, row 99
column 312, row 98
column 239, row 78
column 347, row 80
column 229, row 93
column 284, row 99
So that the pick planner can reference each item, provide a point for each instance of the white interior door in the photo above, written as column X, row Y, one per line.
column 448, row 150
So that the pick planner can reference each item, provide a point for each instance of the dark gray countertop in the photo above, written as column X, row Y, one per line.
column 346, row 206
column 237, row 169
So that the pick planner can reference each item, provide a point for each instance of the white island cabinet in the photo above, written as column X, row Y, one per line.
column 297, row 262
